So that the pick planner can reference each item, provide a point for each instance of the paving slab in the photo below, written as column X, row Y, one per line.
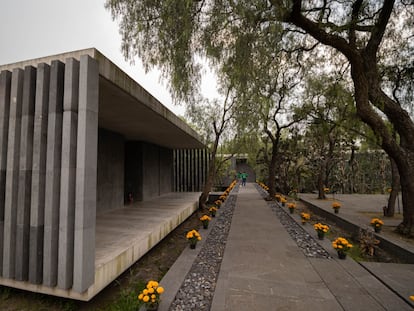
column 398, row 277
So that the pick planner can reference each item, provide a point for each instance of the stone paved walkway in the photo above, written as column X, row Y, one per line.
column 264, row 269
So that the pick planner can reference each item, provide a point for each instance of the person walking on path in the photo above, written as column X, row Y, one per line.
column 244, row 178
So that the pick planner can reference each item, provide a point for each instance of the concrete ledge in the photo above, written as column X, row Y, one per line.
column 175, row 276
column 386, row 243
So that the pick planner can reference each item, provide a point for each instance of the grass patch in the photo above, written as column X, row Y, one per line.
column 356, row 253
column 128, row 299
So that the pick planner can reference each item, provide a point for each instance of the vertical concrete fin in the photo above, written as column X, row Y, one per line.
column 5, row 85
column 25, row 175
column 52, row 183
column 86, row 175
column 68, row 174
column 37, row 210
column 12, row 174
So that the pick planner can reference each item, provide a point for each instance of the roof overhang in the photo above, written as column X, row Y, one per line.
column 127, row 108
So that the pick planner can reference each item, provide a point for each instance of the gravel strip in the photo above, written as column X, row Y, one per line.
column 197, row 290
column 303, row 239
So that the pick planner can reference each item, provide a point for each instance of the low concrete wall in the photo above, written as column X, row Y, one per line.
column 386, row 244
column 111, row 157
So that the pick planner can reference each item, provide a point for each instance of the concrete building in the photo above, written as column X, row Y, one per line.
column 79, row 139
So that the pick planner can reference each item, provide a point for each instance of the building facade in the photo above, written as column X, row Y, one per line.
column 78, row 137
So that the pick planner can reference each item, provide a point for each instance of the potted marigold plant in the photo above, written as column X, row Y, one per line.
column 205, row 219
column 376, row 223
column 150, row 295
column 193, row 237
column 336, row 206
column 291, row 207
column 213, row 211
column 223, row 197
column 342, row 246
column 305, row 217
column 321, row 229
column 283, row 200
column 218, row 203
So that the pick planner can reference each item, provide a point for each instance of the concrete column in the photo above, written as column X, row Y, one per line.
column 68, row 174
column 5, row 84
column 52, row 183
column 25, row 175
column 12, row 174
column 86, row 175
column 37, row 211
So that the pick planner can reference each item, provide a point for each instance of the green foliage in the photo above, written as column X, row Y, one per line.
column 5, row 292
column 162, row 34
column 265, row 49
column 128, row 298
column 127, row 301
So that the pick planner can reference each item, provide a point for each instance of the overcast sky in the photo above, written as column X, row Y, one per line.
column 37, row 28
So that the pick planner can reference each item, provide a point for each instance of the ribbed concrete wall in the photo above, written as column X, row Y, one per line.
column 190, row 169
column 48, row 169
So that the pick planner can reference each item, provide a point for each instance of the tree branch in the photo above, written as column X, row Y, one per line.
column 379, row 28
column 295, row 17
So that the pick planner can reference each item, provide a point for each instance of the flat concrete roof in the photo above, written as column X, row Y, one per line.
column 127, row 108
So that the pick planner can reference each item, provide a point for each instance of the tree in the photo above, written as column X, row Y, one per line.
column 212, row 119
column 329, row 110
column 359, row 39
column 175, row 33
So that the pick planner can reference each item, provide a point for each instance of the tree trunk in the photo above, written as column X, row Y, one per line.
column 321, row 181
column 389, row 210
column 407, row 190
column 351, row 176
column 272, row 170
column 400, row 153
column 202, row 201
column 406, row 170
column 208, row 184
